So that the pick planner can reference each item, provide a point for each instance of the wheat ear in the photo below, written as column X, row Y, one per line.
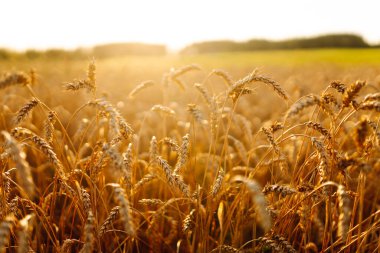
column 183, row 154
column 24, row 174
column 89, row 238
column 108, row 221
column 25, row 110
column 11, row 79
column 173, row 179
column 259, row 200
column 351, row 93
column 344, row 212
column 140, row 87
column 125, row 211
column 218, row 183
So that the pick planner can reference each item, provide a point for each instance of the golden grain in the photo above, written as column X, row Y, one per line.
column 188, row 182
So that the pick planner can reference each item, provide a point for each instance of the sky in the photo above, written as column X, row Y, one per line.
column 70, row 24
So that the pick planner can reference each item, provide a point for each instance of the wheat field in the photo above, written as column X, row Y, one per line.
column 189, row 159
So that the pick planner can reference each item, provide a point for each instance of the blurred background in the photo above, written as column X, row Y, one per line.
column 114, row 28
column 133, row 41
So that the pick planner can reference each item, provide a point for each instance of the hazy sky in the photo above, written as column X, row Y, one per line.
column 176, row 23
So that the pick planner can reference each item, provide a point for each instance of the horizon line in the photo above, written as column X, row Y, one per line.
column 172, row 49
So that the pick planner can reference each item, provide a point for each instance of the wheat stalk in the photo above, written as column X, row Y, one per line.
column 172, row 144
column 151, row 202
column 22, row 133
column 344, row 212
column 339, row 86
column 153, row 151
column 89, row 234
column 183, row 154
column 117, row 122
column 269, row 134
column 24, row 174
column 351, row 93
column 276, row 127
column 206, row 96
column 278, row 244
column 86, row 201
column 284, row 190
column 218, row 183
column 189, row 221
column 196, row 113
column 125, row 211
column 67, row 245
column 324, row 161
column 173, row 179
column 175, row 73
column 254, row 77
column 115, row 156
column 127, row 164
column 225, row 249
column 140, row 87
column 164, row 110
column 370, row 105
column 259, row 200
column 146, row 179
column 25, row 110
column 303, row 103
column 11, row 79
column 224, row 75
column 49, row 126
column 89, row 83
column 91, row 75
column 318, row 127
column 108, row 221
column 372, row 97
column 76, row 85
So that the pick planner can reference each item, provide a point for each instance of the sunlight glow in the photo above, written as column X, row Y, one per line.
column 70, row 24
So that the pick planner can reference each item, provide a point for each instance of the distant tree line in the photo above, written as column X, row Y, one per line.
column 127, row 49
column 100, row 51
column 325, row 41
